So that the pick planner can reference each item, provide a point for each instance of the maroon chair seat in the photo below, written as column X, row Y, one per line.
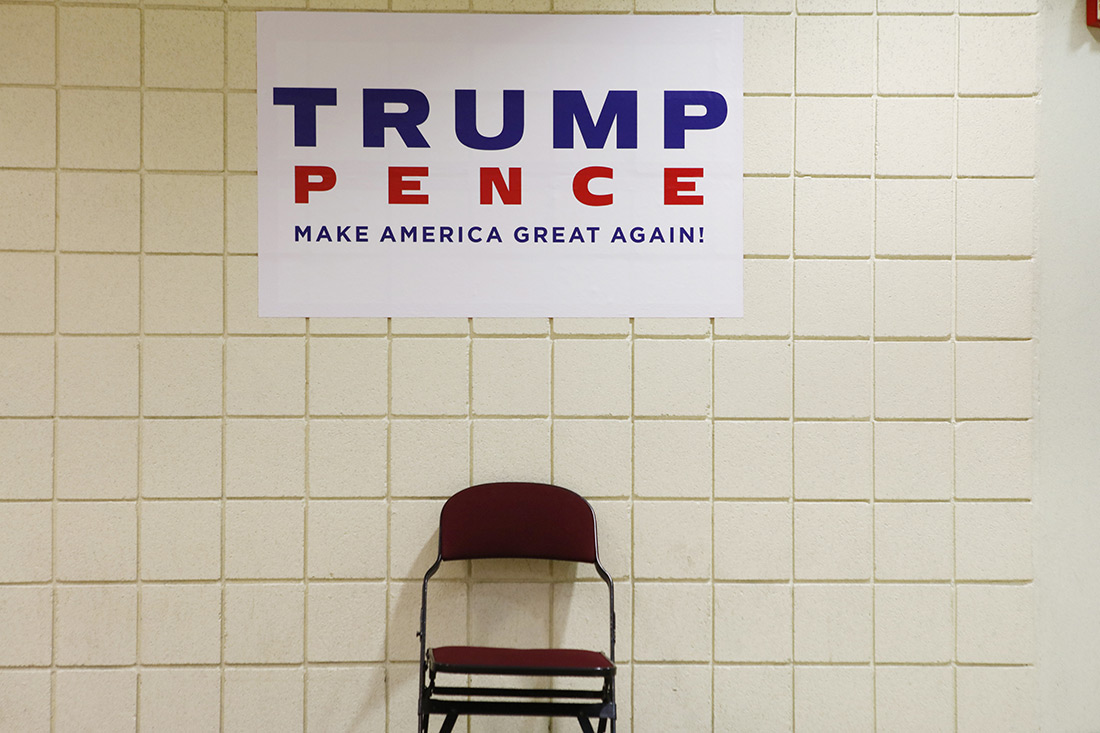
column 517, row 520
column 500, row 660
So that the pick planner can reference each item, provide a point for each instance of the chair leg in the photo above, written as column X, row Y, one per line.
column 423, row 727
column 449, row 723
column 585, row 725
column 603, row 725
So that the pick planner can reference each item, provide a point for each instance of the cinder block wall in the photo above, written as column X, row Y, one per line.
column 818, row 516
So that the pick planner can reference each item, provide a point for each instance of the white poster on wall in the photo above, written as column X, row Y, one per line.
column 499, row 165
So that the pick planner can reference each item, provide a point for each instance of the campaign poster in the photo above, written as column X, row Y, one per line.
column 499, row 165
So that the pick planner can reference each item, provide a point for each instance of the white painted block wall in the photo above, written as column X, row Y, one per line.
column 818, row 516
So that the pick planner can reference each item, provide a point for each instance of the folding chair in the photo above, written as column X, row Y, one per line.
column 517, row 520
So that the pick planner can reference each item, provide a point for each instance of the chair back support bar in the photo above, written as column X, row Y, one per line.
column 519, row 521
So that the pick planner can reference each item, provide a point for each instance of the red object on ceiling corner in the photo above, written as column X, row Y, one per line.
column 1092, row 11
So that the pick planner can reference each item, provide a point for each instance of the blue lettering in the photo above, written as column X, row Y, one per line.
column 677, row 120
column 305, row 101
column 466, row 121
column 620, row 107
column 407, row 123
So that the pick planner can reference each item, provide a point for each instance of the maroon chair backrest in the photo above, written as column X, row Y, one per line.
column 515, row 519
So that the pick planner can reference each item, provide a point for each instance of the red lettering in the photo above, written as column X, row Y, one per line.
column 675, row 185
column 326, row 179
column 510, row 192
column 583, row 178
column 680, row 185
column 401, row 184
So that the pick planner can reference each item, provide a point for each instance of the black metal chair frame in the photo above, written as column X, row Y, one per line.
column 453, row 701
